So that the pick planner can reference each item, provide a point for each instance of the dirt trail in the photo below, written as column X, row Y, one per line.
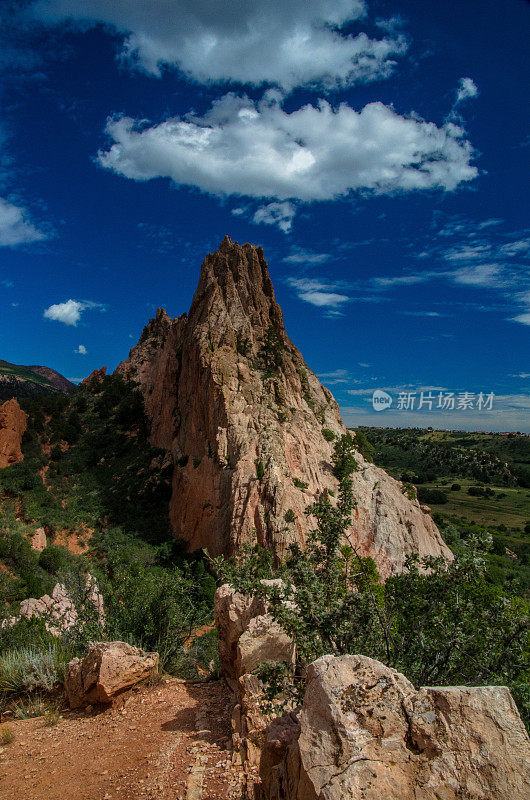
column 169, row 742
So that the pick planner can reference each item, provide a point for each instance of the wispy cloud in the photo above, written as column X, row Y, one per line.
column 16, row 227
column 467, row 89
column 279, row 214
column 319, row 293
column 301, row 256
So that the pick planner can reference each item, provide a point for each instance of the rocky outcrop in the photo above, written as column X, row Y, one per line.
column 95, row 376
column 58, row 609
column 108, row 669
column 247, row 443
column 365, row 732
column 248, row 636
column 13, row 423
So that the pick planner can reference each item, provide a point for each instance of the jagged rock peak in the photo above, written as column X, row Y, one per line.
column 235, row 294
column 248, row 425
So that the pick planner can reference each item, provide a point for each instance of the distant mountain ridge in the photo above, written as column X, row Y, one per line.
column 17, row 380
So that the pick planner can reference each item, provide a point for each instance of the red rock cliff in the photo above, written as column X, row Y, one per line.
column 13, row 422
column 241, row 441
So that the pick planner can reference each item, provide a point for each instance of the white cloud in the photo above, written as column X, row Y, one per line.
column 287, row 43
column 521, row 375
column 70, row 311
column 301, row 256
column 524, row 319
column 337, row 376
column 15, row 226
column 318, row 293
column 237, row 212
column 467, row 88
column 315, row 153
column 401, row 280
column 479, row 275
column 81, row 350
column 280, row 214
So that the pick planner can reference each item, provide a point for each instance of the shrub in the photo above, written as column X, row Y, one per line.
column 328, row 435
column 271, row 352
column 54, row 559
column 29, row 668
column 344, row 461
column 260, row 469
column 290, row 515
column 364, row 445
column 410, row 490
column 431, row 496
column 455, row 487
column 7, row 735
column 300, row 484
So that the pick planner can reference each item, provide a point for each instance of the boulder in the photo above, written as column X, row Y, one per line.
column 13, row 423
column 108, row 669
column 365, row 732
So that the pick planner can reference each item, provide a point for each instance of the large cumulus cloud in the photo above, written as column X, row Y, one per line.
column 283, row 42
column 258, row 150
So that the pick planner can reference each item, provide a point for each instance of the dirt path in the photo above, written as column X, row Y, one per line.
column 169, row 742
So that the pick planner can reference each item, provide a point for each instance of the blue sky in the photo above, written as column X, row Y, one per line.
column 377, row 150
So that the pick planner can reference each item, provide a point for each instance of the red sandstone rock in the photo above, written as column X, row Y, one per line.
column 212, row 408
column 13, row 423
column 95, row 376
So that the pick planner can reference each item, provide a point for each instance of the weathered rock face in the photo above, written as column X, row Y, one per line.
column 108, row 669
column 365, row 732
column 13, row 422
column 240, row 440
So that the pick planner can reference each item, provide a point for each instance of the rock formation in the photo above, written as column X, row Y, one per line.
column 13, row 422
column 366, row 732
column 95, row 375
column 363, row 730
column 58, row 609
column 108, row 669
column 246, row 435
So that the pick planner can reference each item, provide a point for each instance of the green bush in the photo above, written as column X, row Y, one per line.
column 290, row 515
column 26, row 669
column 328, row 435
column 260, row 469
column 300, row 484
column 436, row 496
column 55, row 559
